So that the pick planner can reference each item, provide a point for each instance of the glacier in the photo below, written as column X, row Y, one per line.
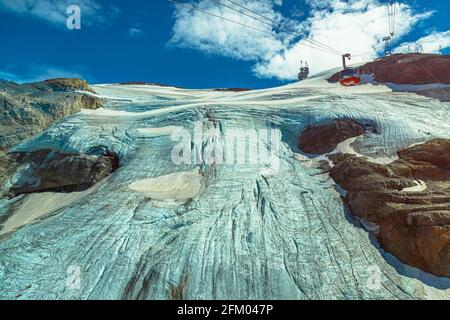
column 248, row 232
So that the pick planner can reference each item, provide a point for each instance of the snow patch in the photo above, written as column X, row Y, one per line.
column 37, row 206
column 155, row 132
column 179, row 186
column 103, row 97
column 419, row 187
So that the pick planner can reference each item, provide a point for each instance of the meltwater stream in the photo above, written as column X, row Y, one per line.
column 249, row 232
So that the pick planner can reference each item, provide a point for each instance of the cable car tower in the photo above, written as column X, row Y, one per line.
column 392, row 12
column 304, row 71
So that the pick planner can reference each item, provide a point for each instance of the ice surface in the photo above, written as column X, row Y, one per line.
column 248, row 232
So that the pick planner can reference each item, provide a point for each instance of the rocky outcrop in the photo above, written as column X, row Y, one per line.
column 68, row 84
column 27, row 109
column 409, row 199
column 143, row 83
column 48, row 170
column 324, row 138
column 4, row 166
column 407, row 69
column 233, row 89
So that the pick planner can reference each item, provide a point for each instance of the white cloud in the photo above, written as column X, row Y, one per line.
column 135, row 32
column 54, row 11
column 355, row 26
column 430, row 43
column 36, row 73
column 197, row 30
column 278, row 2
column 4, row 75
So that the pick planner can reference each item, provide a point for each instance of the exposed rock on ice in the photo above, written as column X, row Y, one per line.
column 409, row 199
column 324, row 138
column 48, row 170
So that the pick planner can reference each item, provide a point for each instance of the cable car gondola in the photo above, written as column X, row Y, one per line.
column 349, row 76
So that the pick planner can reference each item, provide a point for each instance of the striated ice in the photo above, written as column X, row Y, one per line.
column 247, row 232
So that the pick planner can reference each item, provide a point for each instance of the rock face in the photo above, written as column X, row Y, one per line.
column 4, row 166
column 409, row 199
column 232, row 89
column 143, row 83
column 68, row 84
column 324, row 138
column 27, row 109
column 408, row 69
column 47, row 170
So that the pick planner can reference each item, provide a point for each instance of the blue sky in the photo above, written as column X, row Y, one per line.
column 152, row 41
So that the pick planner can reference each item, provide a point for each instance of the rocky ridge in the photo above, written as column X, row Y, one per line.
column 408, row 199
column 27, row 109
column 409, row 69
column 425, row 74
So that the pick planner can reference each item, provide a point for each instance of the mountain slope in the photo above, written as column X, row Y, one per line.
column 425, row 74
column 251, row 231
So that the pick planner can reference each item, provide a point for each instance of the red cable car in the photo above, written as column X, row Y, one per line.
column 349, row 76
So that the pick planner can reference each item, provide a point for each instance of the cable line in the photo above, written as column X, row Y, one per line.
column 311, row 41
column 317, row 43
column 226, row 6
column 259, row 15
column 391, row 8
column 220, row 17
column 242, row 24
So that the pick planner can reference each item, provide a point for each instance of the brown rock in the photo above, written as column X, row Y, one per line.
column 407, row 69
column 233, row 89
column 414, row 226
column 324, row 138
column 434, row 152
column 61, row 172
column 4, row 166
column 142, row 83
column 27, row 109
column 64, row 84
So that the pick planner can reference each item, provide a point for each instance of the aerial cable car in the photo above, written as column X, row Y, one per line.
column 391, row 10
column 349, row 76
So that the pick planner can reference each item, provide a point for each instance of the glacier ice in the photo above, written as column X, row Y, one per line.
column 247, row 233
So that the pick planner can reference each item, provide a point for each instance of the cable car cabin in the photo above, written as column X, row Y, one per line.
column 349, row 77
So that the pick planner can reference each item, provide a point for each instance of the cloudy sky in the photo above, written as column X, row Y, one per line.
column 219, row 45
